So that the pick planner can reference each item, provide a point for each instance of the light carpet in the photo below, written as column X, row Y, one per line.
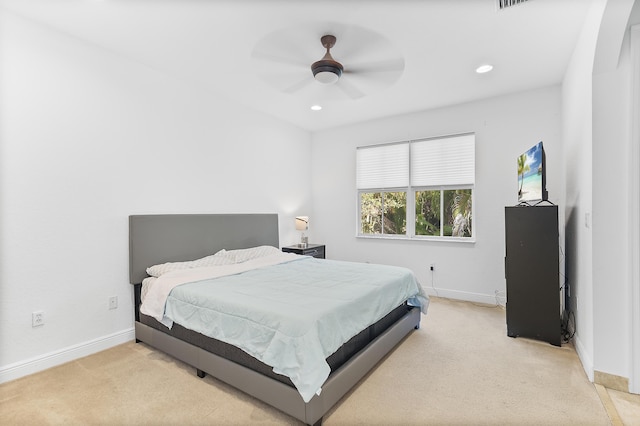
column 459, row 368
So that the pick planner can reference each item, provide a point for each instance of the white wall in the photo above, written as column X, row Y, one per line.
column 596, row 130
column 611, row 216
column 505, row 127
column 634, row 294
column 577, row 137
column 89, row 138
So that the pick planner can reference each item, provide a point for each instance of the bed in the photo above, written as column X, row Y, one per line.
column 158, row 239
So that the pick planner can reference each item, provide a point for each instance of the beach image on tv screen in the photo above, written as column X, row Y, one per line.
column 530, row 174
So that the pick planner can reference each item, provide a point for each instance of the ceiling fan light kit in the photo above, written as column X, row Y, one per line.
column 327, row 75
column 327, row 70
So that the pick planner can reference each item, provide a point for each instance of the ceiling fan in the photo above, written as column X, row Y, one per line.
column 370, row 64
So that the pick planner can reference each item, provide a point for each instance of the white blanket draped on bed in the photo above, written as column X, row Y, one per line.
column 290, row 312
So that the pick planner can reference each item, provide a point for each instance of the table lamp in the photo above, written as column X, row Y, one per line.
column 302, row 224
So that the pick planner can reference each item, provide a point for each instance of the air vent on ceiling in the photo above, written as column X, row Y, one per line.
column 503, row 4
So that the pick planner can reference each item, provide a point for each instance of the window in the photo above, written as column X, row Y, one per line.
column 383, row 212
column 419, row 189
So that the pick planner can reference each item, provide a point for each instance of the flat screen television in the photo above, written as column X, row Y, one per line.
column 532, row 181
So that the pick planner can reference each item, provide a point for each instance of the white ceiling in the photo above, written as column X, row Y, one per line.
column 222, row 46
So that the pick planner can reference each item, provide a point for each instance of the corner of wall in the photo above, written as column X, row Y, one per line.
column 585, row 358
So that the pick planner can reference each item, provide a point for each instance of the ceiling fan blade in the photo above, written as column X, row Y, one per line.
column 389, row 65
column 299, row 85
column 357, row 44
column 270, row 57
column 349, row 89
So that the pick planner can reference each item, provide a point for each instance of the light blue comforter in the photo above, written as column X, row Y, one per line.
column 293, row 315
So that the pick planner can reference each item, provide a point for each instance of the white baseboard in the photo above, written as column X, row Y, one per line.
column 587, row 364
column 71, row 353
column 489, row 299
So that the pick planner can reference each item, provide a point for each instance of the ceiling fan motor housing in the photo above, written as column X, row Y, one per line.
column 327, row 70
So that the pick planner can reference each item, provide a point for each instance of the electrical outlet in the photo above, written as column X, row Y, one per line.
column 37, row 318
column 113, row 302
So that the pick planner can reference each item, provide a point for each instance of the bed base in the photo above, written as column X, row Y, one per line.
column 277, row 394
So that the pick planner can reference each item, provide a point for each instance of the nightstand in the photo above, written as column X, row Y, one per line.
column 315, row 250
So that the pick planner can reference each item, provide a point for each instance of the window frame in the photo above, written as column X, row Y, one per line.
column 442, row 189
column 411, row 191
column 382, row 191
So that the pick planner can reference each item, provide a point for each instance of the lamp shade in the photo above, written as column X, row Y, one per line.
column 302, row 223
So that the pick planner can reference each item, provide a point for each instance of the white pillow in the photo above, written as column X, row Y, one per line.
column 213, row 260
column 223, row 257
column 146, row 283
column 242, row 255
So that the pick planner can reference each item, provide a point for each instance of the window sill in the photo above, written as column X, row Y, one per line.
column 423, row 239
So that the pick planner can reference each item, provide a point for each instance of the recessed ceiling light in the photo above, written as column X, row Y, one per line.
column 484, row 68
column 316, row 107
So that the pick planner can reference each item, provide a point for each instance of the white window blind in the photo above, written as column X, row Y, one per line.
column 444, row 161
column 434, row 162
column 382, row 166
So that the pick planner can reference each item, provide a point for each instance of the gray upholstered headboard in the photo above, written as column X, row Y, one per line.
column 157, row 239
